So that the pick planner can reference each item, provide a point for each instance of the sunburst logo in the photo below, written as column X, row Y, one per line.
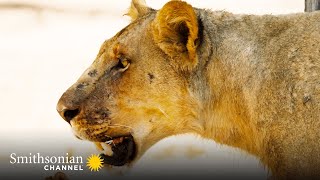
column 94, row 162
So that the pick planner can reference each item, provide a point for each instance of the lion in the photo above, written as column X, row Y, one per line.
column 246, row 81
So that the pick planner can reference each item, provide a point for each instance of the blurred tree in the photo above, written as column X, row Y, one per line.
column 312, row 5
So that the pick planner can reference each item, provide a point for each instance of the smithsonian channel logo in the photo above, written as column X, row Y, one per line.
column 59, row 163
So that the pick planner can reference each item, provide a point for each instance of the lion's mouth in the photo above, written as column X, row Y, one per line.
column 117, row 151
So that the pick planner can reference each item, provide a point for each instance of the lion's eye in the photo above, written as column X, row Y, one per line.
column 123, row 63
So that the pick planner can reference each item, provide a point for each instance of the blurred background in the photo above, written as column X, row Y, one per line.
column 45, row 45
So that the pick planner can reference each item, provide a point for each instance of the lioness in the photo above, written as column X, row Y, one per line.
column 251, row 82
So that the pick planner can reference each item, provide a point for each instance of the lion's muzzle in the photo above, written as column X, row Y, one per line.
column 92, row 122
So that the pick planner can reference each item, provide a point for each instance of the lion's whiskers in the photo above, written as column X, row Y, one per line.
column 164, row 113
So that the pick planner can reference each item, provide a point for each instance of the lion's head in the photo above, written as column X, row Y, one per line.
column 137, row 91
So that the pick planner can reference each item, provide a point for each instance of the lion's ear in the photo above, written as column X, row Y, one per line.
column 137, row 9
column 175, row 30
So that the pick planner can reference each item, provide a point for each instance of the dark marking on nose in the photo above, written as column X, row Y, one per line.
column 98, row 116
column 151, row 77
column 82, row 85
column 306, row 99
column 93, row 73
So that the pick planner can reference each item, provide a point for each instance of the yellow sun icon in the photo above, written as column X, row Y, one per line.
column 94, row 162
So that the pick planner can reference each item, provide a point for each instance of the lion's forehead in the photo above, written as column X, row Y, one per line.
column 125, row 35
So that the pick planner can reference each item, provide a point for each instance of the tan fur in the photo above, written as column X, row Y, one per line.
column 251, row 82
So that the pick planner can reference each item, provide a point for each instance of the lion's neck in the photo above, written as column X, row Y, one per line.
column 219, row 84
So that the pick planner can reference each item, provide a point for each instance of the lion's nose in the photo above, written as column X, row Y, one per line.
column 67, row 113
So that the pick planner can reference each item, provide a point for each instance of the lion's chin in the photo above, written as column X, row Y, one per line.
column 118, row 151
